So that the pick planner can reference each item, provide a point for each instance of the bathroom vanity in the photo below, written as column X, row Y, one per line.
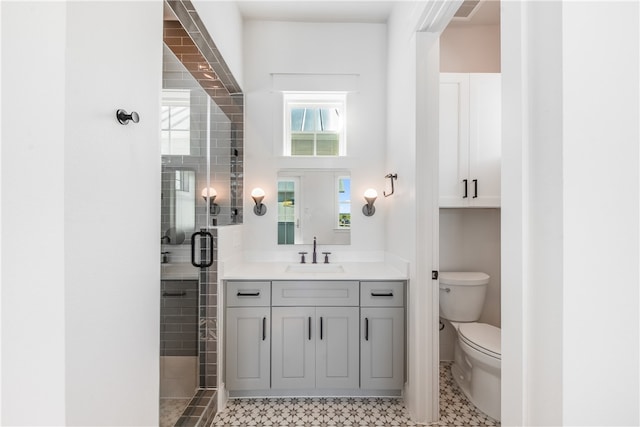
column 309, row 332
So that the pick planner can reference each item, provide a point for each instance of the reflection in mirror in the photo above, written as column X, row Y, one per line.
column 178, row 204
column 314, row 203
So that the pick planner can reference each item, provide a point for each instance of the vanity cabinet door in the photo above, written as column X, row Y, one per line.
column 293, row 348
column 337, row 361
column 382, row 348
column 248, row 342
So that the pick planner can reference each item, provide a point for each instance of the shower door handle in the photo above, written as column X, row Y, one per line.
column 203, row 236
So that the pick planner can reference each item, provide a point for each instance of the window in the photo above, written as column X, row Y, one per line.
column 176, row 122
column 344, row 202
column 315, row 124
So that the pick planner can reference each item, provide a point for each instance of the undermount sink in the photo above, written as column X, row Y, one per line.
column 315, row 268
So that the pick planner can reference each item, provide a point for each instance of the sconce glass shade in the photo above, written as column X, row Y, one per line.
column 211, row 193
column 257, row 194
column 370, row 196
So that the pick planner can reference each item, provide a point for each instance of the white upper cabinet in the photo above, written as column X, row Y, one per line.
column 470, row 140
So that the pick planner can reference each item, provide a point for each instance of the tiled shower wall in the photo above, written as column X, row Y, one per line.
column 179, row 318
column 225, row 150
column 208, row 336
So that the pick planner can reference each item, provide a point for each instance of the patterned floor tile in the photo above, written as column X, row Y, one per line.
column 455, row 410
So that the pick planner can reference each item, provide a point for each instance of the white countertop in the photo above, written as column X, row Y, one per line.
column 293, row 271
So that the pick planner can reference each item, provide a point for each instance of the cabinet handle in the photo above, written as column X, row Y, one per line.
column 366, row 329
column 465, row 188
column 475, row 188
column 321, row 328
column 264, row 328
column 248, row 294
column 174, row 294
column 309, row 328
column 381, row 294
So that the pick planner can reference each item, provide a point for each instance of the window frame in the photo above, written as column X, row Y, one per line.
column 315, row 100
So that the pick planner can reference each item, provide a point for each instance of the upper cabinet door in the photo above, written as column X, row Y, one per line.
column 470, row 140
column 485, row 142
column 454, row 139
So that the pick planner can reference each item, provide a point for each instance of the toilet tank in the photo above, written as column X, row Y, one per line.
column 462, row 295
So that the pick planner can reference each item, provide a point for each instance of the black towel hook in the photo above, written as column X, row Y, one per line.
column 124, row 117
column 391, row 176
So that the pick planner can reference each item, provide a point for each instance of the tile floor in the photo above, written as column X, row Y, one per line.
column 171, row 410
column 455, row 410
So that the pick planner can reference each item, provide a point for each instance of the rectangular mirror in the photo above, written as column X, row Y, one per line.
column 314, row 203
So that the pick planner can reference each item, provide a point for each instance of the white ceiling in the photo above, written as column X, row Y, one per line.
column 316, row 10
column 346, row 11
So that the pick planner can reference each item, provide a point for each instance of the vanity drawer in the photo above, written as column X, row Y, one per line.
column 382, row 294
column 248, row 294
column 316, row 293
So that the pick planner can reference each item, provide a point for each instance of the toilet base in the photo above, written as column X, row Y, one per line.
column 464, row 383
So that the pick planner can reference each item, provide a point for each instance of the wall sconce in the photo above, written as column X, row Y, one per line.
column 210, row 193
column 370, row 196
column 257, row 194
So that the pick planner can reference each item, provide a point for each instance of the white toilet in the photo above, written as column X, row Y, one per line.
column 477, row 354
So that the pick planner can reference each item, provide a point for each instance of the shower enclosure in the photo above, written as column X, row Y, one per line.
column 201, row 140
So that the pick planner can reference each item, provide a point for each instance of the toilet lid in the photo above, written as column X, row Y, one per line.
column 485, row 338
column 463, row 278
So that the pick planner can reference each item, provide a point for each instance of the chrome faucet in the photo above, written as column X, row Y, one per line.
column 315, row 261
column 167, row 238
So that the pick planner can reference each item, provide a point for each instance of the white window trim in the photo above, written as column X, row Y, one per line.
column 314, row 100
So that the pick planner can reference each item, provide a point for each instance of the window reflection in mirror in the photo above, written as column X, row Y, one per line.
column 314, row 203
column 178, row 204
column 176, row 122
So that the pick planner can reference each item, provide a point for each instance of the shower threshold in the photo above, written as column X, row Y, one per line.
column 201, row 409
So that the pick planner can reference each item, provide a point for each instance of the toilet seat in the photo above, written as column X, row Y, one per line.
column 482, row 337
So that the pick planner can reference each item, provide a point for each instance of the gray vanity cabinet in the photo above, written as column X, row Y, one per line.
column 248, row 335
column 382, row 335
column 315, row 347
column 314, row 336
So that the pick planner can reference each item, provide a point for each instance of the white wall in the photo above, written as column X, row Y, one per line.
column 315, row 56
column 224, row 24
column 33, row 229
column 601, row 212
column 470, row 241
column 472, row 49
column 570, row 213
column 412, row 221
column 80, row 283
